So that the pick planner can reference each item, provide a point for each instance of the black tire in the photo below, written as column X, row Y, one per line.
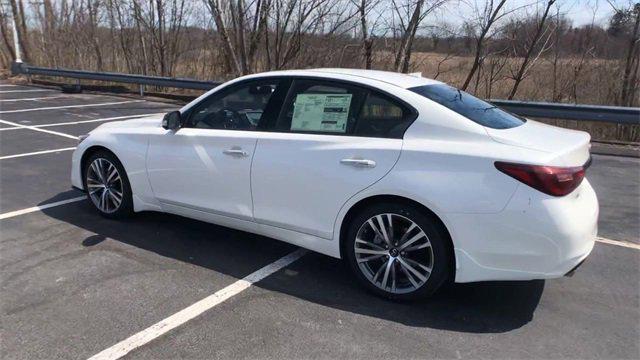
column 125, row 208
column 439, row 255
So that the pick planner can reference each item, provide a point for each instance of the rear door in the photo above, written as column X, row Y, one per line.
column 330, row 141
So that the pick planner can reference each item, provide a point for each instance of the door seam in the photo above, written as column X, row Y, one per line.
column 335, row 222
column 253, row 156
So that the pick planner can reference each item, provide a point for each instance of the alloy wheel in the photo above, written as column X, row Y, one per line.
column 394, row 253
column 104, row 185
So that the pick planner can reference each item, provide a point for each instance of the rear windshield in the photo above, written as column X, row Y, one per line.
column 467, row 105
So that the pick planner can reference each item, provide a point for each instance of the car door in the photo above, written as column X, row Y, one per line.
column 330, row 141
column 205, row 165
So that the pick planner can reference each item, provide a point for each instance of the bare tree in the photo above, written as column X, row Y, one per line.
column 124, row 39
column 92, row 11
column 410, row 14
column 17, row 10
column 6, row 36
column 240, row 28
column 140, row 34
column 531, row 47
column 630, row 19
column 496, row 64
column 364, row 7
column 487, row 18
column 557, row 35
column 578, row 67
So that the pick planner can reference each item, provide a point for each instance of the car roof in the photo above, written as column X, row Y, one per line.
column 397, row 79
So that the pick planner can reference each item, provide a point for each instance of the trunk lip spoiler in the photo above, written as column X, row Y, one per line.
column 584, row 166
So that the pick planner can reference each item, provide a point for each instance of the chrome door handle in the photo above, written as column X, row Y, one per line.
column 359, row 163
column 235, row 152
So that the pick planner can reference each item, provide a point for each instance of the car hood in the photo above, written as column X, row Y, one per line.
column 567, row 147
column 149, row 121
column 140, row 122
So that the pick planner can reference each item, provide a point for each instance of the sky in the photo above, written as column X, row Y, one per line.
column 581, row 12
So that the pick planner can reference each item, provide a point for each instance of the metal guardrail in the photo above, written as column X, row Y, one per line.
column 22, row 68
column 610, row 114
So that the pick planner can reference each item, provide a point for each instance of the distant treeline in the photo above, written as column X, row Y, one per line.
column 495, row 51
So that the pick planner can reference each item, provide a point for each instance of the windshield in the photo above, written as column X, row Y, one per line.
column 471, row 107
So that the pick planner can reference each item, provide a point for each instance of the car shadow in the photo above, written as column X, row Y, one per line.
column 490, row 307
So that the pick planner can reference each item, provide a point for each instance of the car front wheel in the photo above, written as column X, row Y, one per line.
column 397, row 251
column 107, row 185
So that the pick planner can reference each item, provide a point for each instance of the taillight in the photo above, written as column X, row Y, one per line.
column 552, row 180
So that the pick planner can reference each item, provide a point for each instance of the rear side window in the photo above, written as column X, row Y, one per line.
column 469, row 106
column 335, row 108
column 320, row 107
column 382, row 117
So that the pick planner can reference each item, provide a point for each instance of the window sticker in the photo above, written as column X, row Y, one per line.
column 321, row 112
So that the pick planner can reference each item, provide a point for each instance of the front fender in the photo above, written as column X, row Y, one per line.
column 131, row 150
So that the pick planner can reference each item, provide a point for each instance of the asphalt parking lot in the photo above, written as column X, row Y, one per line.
column 74, row 284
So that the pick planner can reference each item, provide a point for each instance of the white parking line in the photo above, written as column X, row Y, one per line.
column 149, row 334
column 84, row 121
column 622, row 243
column 37, row 129
column 21, row 91
column 70, row 106
column 36, row 153
column 39, row 208
column 32, row 99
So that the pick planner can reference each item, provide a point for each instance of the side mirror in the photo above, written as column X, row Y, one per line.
column 172, row 120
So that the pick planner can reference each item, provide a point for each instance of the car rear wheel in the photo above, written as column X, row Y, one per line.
column 107, row 185
column 397, row 251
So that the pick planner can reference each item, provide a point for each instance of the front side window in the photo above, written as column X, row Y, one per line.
column 241, row 108
column 469, row 106
column 320, row 107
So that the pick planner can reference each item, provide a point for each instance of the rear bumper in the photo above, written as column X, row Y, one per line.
column 536, row 236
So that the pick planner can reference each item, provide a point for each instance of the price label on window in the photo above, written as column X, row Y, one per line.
column 321, row 112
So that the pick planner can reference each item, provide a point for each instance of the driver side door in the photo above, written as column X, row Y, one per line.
column 202, row 170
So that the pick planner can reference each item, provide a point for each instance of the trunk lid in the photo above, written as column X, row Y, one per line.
column 565, row 147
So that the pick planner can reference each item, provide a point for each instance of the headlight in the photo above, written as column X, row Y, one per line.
column 82, row 137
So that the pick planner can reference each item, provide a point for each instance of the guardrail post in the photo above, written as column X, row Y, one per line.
column 141, row 88
column 16, row 68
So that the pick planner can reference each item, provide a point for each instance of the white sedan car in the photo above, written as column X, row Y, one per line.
column 410, row 181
